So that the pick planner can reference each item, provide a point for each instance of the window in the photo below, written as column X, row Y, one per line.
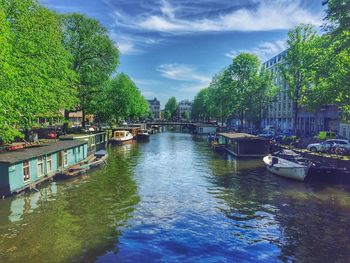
column 65, row 158
column 26, row 171
column 48, row 163
column 40, row 166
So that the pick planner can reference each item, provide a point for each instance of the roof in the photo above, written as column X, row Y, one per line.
column 206, row 125
column 240, row 136
column 78, row 135
column 38, row 150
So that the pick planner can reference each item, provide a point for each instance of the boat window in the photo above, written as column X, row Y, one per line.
column 40, row 166
column 65, row 158
column 26, row 171
column 49, row 163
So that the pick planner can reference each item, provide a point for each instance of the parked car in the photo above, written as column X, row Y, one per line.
column 325, row 135
column 326, row 145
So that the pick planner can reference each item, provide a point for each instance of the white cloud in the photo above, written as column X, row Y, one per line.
column 268, row 15
column 181, row 72
column 126, row 48
column 264, row 51
column 194, row 81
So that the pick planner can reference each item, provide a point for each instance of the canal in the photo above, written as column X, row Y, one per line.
column 174, row 200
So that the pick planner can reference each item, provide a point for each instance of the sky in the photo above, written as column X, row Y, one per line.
column 175, row 47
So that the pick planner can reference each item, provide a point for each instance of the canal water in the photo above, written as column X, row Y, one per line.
column 173, row 200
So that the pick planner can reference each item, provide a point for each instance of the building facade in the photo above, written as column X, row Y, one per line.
column 280, row 112
column 154, row 106
column 184, row 106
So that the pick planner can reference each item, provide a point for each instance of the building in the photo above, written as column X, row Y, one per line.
column 95, row 141
column 24, row 168
column 345, row 130
column 280, row 112
column 205, row 128
column 154, row 106
column 76, row 118
column 184, row 106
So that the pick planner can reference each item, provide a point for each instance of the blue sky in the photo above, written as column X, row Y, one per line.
column 174, row 47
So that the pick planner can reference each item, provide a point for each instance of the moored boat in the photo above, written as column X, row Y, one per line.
column 286, row 168
column 142, row 135
column 120, row 137
column 93, row 161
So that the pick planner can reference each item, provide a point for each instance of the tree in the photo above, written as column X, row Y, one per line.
column 243, row 73
column 36, row 79
column 222, row 95
column 121, row 100
column 171, row 107
column 263, row 94
column 297, row 65
column 186, row 115
column 201, row 105
column 95, row 57
column 332, row 71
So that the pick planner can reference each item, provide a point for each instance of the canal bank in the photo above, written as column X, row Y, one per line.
column 173, row 199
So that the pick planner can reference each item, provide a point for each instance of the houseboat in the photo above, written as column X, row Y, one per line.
column 95, row 141
column 245, row 145
column 121, row 137
column 205, row 128
column 132, row 130
column 142, row 135
column 27, row 167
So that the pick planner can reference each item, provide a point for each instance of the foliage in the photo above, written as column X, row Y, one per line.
column 185, row 115
column 95, row 57
column 120, row 100
column 170, row 108
column 297, row 65
column 332, row 74
column 35, row 76
column 201, row 108
column 244, row 72
column 242, row 90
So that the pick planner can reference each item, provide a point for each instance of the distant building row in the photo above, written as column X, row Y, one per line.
column 280, row 112
column 183, row 107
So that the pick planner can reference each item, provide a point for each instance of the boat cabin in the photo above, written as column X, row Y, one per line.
column 95, row 141
column 26, row 167
column 245, row 145
column 120, row 134
column 132, row 130
column 205, row 128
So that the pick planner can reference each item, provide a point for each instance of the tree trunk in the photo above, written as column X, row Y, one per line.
column 295, row 117
column 66, row 118
column 83, row 118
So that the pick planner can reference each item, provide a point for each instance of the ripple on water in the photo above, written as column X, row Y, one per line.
column 173, row 200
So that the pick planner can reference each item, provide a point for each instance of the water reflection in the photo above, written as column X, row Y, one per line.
column 71, row 221
column 172, row 200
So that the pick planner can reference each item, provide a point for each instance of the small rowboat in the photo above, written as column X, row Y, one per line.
column 286, row 168
column 97, row 160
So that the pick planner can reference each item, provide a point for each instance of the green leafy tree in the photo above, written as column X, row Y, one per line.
column 171, row 106
column 332, row 70
column 121, row 100
column 201, row 108
column 243, row 73
column 186, row 115
column 263, row 94
column 95, row 57
column 36, row 79
column 297, row 65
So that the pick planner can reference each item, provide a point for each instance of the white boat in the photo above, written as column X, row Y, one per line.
column 285, row 168
column 120, row 137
